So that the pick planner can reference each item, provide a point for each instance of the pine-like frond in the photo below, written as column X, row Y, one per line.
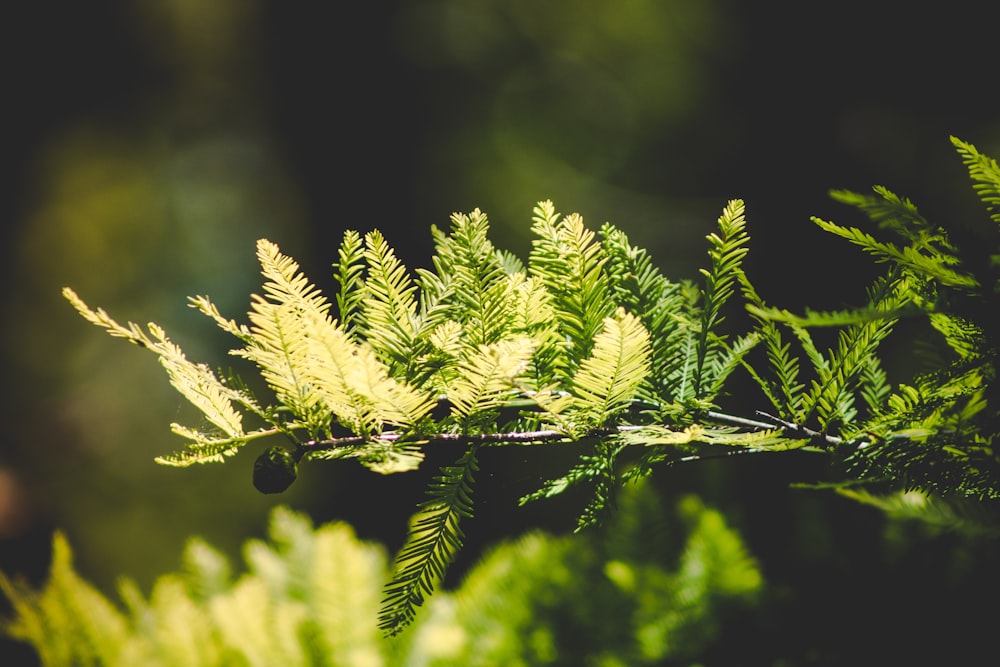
column 606, row 382
column 934, row 457
column 349, row 273
column 874, row 385
column 661, row 304
column 389, row 307
column 846, row 371
column 832, row 393
column 810, row 318
column 598, row 469
column 966, row 339
column 468, row 262
column 486, row 378
column 285, row 283
column 946, row 399
column 510, row 262
column 781, row 385
column 196, row 382
column 435, row 535
column 132, row 333
column 930, row 256
column 728, row 360
column 206, row 307
column 887, row 210
column 609, row 378
column 985, row 173
column 207, row 447
column 656, row 435
column 603, row 476
column 354, row 384
column 535, row 316
column 569, row 261
column 282, row 322
column 728, row 248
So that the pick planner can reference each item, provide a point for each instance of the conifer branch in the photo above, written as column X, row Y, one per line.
column 789, row 430
column 587, row 342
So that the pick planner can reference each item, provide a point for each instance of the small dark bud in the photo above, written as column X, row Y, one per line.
column 274, row 470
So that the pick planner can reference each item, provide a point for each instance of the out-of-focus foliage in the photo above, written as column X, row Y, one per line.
column 561, row 597
column 311, row 596
column 165, row 189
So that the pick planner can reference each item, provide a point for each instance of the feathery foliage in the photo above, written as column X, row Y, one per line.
column 309, row 596
column 588, row 342
column 434, row 538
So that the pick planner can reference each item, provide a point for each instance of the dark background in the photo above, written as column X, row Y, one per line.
column 147, row 145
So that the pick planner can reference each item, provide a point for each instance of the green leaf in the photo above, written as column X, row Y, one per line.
column 666, row 309
column 196, row 382
column 888, row 210
column 486, row 378
column 924, row 258
column 728, row 248
column 389, row 306
column 283, row 322
column 609, row 378
column 349, row 273
column 569, row 261
column 435, row 535
column 476, row 277
column 69, row 621
column 985, row 174
column 356, row 386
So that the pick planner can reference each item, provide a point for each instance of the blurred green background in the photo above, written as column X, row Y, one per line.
column 147, row 145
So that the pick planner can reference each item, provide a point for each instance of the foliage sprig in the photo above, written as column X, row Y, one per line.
column 588, row 342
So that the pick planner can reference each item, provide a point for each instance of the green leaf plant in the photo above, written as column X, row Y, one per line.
column 588, row 343
column 309, row 596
